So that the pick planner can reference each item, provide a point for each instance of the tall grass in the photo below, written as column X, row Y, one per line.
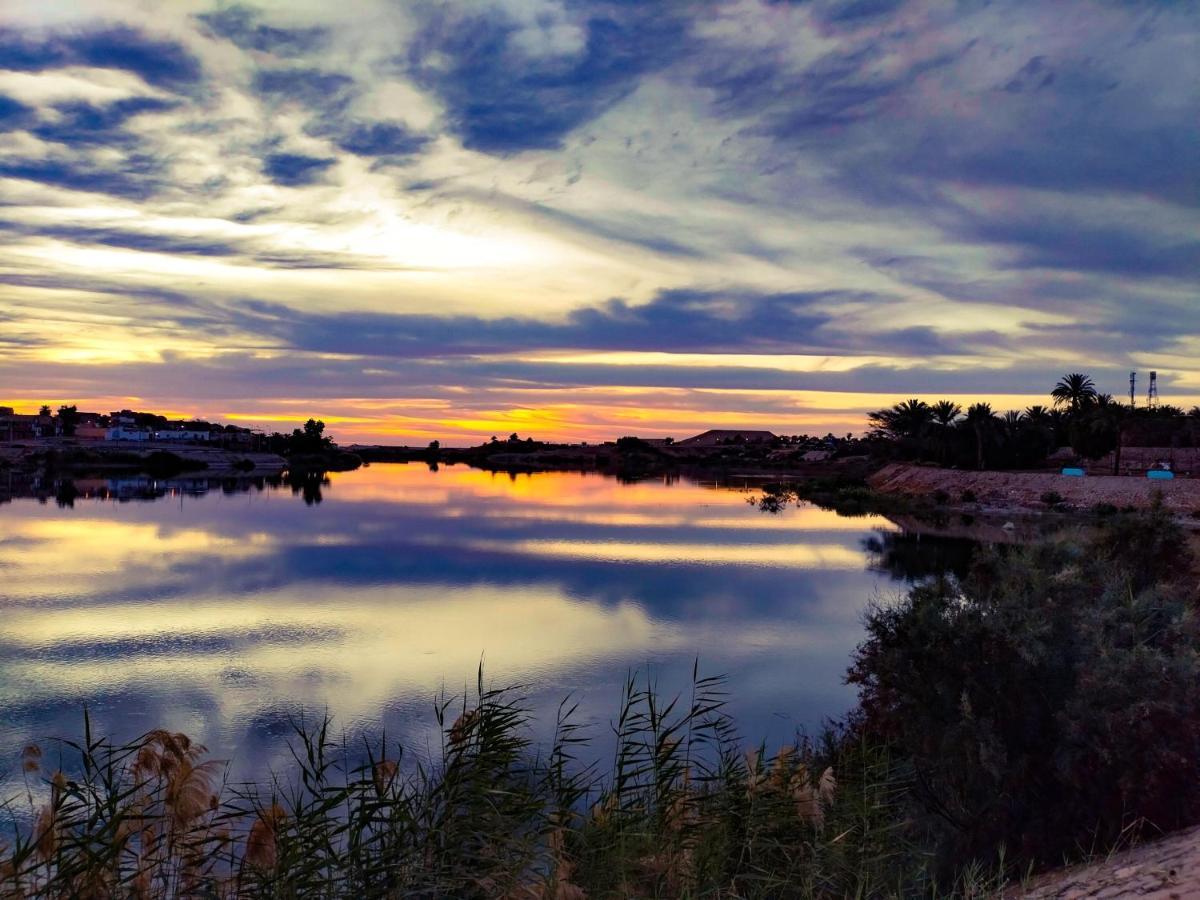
column 681, row 810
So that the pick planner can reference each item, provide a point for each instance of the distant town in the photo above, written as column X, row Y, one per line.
column 124, row 425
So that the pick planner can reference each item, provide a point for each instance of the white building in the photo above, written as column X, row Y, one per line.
column 182, row 434
column 127, row 433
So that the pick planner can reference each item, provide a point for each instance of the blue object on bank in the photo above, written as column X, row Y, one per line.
column 1158, row 474
column 1073, row 472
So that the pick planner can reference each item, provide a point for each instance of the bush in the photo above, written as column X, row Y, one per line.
column 940, row 497
column 968, row 496
column 1104, row 510
column 1052, row 498
column 244, row 465
column 1050, row 702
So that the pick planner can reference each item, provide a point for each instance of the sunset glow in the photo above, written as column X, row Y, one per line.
column 592, row 219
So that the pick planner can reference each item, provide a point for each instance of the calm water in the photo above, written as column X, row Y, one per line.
column 225, row 614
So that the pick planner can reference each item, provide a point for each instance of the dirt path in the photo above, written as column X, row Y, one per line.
column 1168, row 868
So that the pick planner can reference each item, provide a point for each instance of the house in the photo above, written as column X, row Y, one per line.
column 722, row 437
column 127, row 433
column 182, row 434
column 17, row 427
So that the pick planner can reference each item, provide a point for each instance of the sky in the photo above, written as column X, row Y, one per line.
column 591, row 218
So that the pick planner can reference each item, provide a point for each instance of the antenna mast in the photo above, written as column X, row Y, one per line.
column 1132, row 388
column 1152, row 395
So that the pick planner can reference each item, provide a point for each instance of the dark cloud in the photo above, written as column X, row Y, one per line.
column 137, row 176
column 674, row 321
column 295, row 169
column 133, row 240
column 237, row 250
column 1083, row 246
column 501, row 100
column 160, row 62
column 239, row 25
column 390, row 139
column 313, row 89
column 854, row 11
column 13, row 114
column 83, row 124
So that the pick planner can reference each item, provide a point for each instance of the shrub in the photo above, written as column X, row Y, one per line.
column 940, row 497
column 244, row 465
column 1049, row 702
column 968, row 496
column 1052, row 498
column 1104, row 510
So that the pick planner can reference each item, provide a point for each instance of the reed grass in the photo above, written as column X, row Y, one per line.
column 681, row 810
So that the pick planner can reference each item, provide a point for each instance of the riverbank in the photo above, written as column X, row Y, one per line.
column 1165, row 868
column 632, row 457
column 1033, row 492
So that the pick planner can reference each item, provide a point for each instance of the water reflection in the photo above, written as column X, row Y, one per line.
column 224, row 611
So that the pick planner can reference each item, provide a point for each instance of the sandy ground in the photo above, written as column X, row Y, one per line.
column 1167, row 868
column 1017, row 491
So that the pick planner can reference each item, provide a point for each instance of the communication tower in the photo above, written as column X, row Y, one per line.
column 1152, row 394
column 1132, row 388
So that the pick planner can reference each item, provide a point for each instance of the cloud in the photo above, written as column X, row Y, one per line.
column 681, row 321
column 137, row 176
column 315, row 90
column 295, row 169
column 390, row 139
column 13, row 114
column 429, row 198
column 502, row 95
column 239, row 24
column 85, row 124
column 160, row 62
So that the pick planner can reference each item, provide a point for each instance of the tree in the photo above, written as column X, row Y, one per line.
column 945, row 413
column 1074, row 391
column 906, row 422
column 1100, row 432
column 981, row 419
column 44, row 410
column 69, row 417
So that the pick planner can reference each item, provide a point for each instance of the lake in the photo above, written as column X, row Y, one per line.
column 228, row 613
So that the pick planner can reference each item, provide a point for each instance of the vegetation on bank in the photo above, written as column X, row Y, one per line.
column 1093, row 424
column 1038, row 709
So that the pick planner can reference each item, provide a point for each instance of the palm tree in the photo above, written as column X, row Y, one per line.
column 945, row 413
column 904, row 422
column 1074, row 391
column 980, row 417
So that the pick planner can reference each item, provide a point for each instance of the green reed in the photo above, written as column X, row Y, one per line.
column 682, row 810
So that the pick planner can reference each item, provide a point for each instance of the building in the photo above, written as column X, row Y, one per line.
column 127, row 433
column 723, row 437
column 91, row 433
column 183, row 435
column 17, row 427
